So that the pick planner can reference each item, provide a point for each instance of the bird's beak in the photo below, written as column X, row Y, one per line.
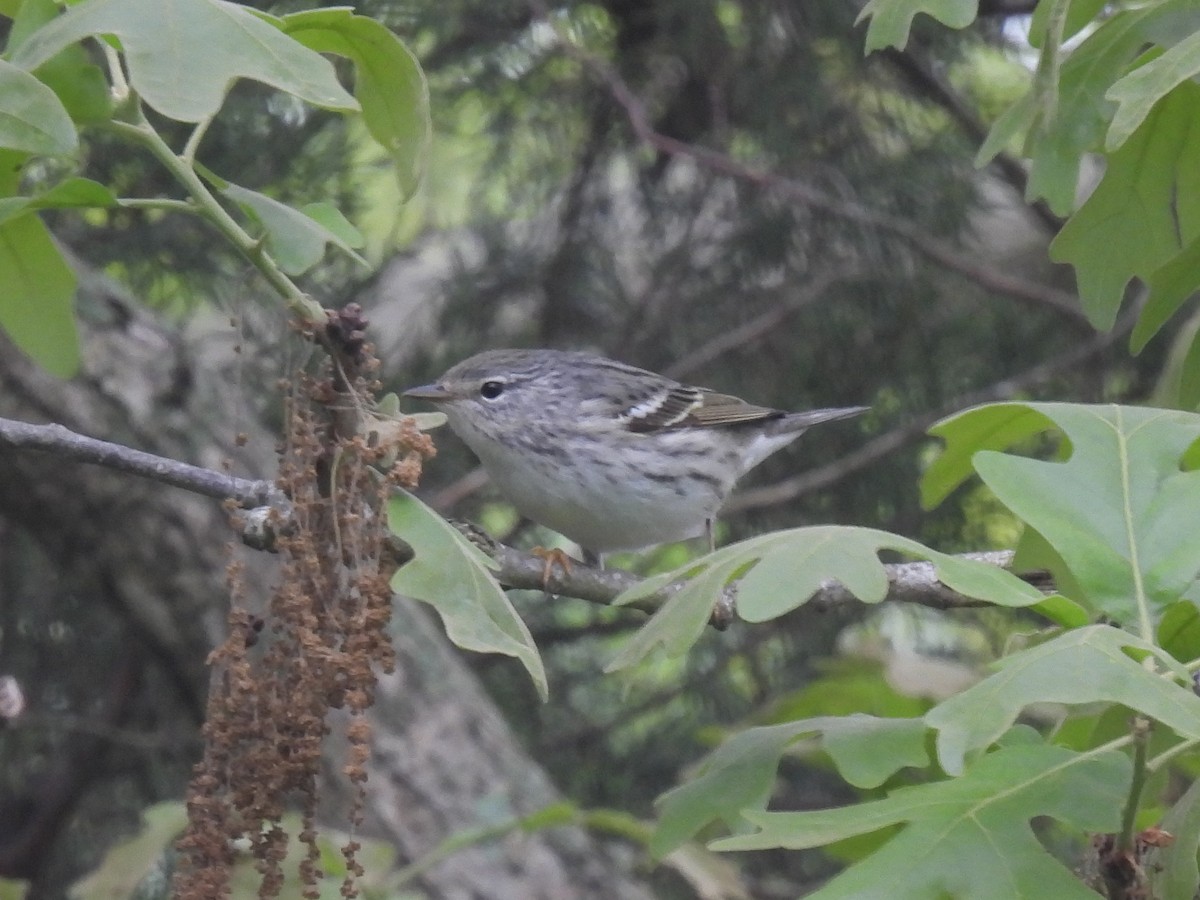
column 434, row 392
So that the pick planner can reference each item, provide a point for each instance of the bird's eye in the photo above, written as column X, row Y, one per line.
column 490, row 390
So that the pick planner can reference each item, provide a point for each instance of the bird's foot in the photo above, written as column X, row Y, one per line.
column 552, row 557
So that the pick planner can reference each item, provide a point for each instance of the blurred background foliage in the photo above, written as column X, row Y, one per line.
column 544, row 219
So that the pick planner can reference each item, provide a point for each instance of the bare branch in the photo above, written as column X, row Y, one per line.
column 69, row 445
column 458, row 490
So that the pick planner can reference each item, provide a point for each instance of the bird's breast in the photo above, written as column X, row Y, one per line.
column 629, row 498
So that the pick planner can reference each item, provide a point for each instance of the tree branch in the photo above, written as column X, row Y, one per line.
column 909, row 582
column 914, row 582
column 67, row 444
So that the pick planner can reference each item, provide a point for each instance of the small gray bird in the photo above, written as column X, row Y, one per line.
column 609, row 455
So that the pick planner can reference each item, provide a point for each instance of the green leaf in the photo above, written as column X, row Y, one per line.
column 1080, row 14
column 1189, row 376
column 777, row 572
column 28, row 17
column 1087, row 665
column 966, row 837
column 843, row 685
column 75, row 193
column 1035, row 554
column 297, row 238
column 331, row 219
column 388, row 83
column 993, row 426
column 454, row 577
column 36, row 300
column 1056, row 144
column 740, row 773
column 891, row 20
column 1059, row 609
column 1013, row 124
column 32, row 119
column 1081, row 113
column 183, row 55
column 1179, row 631
column 1117, row 513
column 71, row 193
column 1145, row 210
column 1138, row 91
column 1057, row 124
column 1171, row 286
column 79, row 84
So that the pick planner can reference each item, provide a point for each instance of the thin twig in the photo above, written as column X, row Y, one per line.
column 758, row 327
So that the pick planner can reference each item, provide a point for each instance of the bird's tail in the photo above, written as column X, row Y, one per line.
column 798, row 421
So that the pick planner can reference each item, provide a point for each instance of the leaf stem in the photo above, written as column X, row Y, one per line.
column 1046, row 77
column 1167, row 755
column 1140, row 734
column 120, row 86
column 142, row 132
column 193, row 142
column 165, row 204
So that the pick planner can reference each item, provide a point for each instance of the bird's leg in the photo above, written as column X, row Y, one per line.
column 712, row 538
column 552, row 557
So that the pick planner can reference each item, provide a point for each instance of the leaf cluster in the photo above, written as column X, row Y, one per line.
column 1109, row 519
column 1124, row 89
column 104, row 64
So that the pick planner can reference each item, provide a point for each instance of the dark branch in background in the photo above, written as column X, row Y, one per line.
column 909, row 582
column 459, row 490
column 890, row 441
column 760, row 326
column 927, row 83
column 936, row 250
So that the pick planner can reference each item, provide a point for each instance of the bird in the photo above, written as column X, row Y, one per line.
column 609, row 455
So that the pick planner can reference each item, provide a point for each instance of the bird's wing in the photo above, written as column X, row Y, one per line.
column 681, row 406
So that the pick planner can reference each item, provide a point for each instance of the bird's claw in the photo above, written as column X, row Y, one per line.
column 552, row 557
